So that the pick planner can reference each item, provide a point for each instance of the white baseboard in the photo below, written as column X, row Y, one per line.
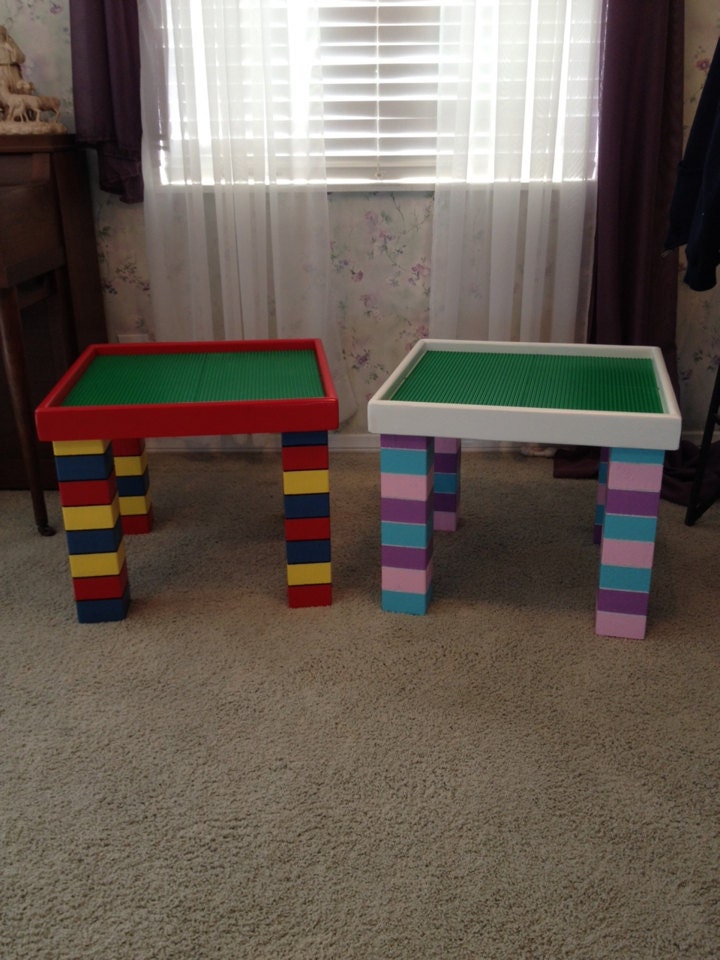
column 348, row 442
column 258, row 443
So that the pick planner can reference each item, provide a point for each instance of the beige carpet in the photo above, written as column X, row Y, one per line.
column 221, row 777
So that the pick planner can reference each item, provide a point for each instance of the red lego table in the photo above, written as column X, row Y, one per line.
column 115, row 396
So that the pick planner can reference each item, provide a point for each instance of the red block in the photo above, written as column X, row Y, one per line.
column 308, row 528
column 101, row 588
column 137, row 523
column 128, row 448
column 305, row 458
column 87, row 493
column 310, row 595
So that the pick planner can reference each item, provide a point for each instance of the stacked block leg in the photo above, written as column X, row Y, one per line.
column 601, row 494
column 91, row 514
column 133, row 481
column 406, row 512
column 634, row 479
column 306, row 495
column 446, row 500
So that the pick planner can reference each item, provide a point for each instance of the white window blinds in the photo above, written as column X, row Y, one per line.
column 381, row 91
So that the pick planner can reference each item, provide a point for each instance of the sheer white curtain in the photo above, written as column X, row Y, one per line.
column 514, row 210
column 234, row 252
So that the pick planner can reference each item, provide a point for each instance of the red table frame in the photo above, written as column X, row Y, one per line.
column 103, row 477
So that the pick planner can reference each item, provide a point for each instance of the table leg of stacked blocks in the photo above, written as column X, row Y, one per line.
column 90, row 505
column 628, row 502
column 446, row 466
column 133, row 482
column 306, row 496
column 406, row 518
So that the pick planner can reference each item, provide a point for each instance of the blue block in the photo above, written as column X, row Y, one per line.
column 393, row 601
column 314, row 438
column 625, row 578
column 103, row 611
column 308, row 551
column 133, row 486
column 86, row 466
column 95, row 541
column 445, row 483
column 298, row 505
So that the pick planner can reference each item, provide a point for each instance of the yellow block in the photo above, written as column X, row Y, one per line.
column 135, row 506
column 131, row 466
column 306, row 481
column 97, row 564
column 99, row 517
column 299, row 574
column 74, row 448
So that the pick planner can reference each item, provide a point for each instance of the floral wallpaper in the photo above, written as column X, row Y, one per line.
column 380, row 251
column 380, row 283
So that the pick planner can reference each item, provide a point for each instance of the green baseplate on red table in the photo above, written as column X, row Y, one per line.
column 532, row 380
column 127, row 379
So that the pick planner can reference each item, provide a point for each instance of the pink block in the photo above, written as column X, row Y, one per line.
column 405, row 486
column 446, row 445
column 628, row 553
column 443, row 520
column 623, row 625
column 635, row 476
column 407, row 581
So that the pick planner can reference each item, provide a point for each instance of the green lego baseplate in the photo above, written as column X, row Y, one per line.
column 154, row 378
column 540, row 381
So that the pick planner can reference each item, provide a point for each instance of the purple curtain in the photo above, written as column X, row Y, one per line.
column 634, row 297
column 105, row 52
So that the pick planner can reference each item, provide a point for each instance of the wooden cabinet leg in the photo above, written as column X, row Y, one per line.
column 15, row 371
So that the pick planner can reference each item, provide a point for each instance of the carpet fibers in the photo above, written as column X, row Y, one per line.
column 219, row 776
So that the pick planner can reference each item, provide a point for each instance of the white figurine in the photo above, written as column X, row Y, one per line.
column 22, row 110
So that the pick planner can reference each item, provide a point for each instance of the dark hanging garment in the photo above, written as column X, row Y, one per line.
column 695, row 207
column 105, row 53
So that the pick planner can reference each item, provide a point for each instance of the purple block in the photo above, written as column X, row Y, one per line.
column 623, row 601
column 446, row 462
column 405, row 511
column 398, row 442
column 632, row 503
column 446, row 502
column 407, row 558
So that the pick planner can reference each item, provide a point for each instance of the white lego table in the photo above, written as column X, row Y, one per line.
column 615, row 397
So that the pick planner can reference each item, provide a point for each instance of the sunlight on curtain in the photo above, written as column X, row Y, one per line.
column 514, row 212
column 248, row 257
column 248, row 104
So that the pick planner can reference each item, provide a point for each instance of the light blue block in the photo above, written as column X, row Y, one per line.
column 410, row 462
column 631, row 455
column 625, row 578
column 405, row 534
column 619, row 527
column 393, row 601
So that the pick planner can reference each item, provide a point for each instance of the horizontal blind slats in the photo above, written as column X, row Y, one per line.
column 375, row 83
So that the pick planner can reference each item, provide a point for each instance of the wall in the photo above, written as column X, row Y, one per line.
column 381, row 242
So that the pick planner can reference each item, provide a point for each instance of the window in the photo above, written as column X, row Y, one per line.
column 389, row 92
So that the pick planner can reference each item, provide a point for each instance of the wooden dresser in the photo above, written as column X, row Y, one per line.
column 51, row 304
